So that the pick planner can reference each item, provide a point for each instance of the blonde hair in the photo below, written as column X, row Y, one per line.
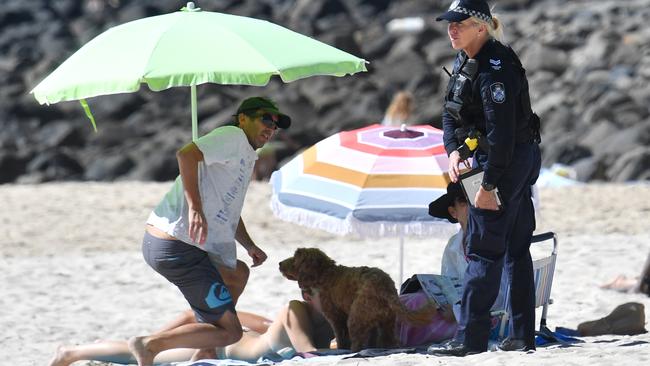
column 495, row 27
column 400, row 108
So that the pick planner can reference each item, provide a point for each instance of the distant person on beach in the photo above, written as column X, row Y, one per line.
column 399, row 110
column 639, row 284
column 190, row 236
column 487, row 115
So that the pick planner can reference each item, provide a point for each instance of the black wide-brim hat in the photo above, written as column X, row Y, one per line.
column 460, row 10
column 440, row 207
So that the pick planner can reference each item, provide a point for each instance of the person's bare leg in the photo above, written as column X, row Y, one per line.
column 249, row 348
column 293, row 318
column 235, row 279
column 635, row 284
column 66, row 355
column 621, row 283
column 252, row 345
column 111, row 351
column 225, row 331
column 254, row 322
column 293, row 322
column 186, row 317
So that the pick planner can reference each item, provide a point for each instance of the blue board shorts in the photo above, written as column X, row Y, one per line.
column 190, row 269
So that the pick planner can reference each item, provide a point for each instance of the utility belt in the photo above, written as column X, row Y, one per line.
column 472, row 139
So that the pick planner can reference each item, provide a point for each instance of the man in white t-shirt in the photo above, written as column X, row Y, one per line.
column 190, row 235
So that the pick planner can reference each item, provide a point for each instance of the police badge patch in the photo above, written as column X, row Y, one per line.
column 498, row 92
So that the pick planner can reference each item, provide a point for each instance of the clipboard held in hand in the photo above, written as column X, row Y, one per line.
column 471, row 182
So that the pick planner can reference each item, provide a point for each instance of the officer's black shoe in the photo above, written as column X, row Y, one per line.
column 453, row 349
column 512, row 344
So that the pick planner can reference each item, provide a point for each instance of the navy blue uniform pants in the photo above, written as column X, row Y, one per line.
column 495, row 238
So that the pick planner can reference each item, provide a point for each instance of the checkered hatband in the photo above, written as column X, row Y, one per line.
column 472, row 13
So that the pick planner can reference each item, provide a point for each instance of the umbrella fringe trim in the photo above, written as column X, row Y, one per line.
column 351, row 225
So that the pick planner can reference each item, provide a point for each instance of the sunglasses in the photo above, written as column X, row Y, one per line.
column 268, row 120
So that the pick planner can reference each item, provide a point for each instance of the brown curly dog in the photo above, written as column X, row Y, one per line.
column 360, row 303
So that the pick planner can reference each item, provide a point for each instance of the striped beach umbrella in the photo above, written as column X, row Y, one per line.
column 375, row 181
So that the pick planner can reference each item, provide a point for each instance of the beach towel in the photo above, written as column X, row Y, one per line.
column 563, row 336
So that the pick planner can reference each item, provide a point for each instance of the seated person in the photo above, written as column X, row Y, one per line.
column 451, row 206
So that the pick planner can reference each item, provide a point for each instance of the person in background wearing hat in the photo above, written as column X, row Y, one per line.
column 488, row 95
column 190, row 236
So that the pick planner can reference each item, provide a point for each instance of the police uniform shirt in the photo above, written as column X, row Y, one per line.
column 495, row 108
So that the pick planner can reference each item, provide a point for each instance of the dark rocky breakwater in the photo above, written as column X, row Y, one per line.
column 588, row 63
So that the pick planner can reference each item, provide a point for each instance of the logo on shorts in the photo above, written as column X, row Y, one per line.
column 218, row 296
column 498, row 92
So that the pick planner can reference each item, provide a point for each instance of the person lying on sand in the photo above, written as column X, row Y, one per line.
column 298, row 325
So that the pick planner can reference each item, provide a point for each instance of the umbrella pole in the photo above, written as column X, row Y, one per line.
column 401, row 260
column 195, row 132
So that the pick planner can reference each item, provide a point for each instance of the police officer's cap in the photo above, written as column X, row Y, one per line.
column 460, row 10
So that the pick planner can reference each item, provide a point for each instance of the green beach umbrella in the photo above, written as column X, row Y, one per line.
column 188, row 48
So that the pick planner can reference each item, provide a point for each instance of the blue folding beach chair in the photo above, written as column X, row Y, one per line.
column 543, row 271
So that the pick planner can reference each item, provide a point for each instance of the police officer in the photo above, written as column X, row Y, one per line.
column 487, row 99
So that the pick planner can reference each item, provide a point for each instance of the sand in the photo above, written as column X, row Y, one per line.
column 71, row 269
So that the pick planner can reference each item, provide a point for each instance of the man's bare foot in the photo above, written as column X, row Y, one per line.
column 61, row 357
column 144, row 356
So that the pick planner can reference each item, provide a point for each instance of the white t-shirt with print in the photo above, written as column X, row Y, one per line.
column 224, row 176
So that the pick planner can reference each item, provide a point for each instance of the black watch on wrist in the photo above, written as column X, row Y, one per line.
column 487, row 186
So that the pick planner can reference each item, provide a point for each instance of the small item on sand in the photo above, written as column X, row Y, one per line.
column 625, row 319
